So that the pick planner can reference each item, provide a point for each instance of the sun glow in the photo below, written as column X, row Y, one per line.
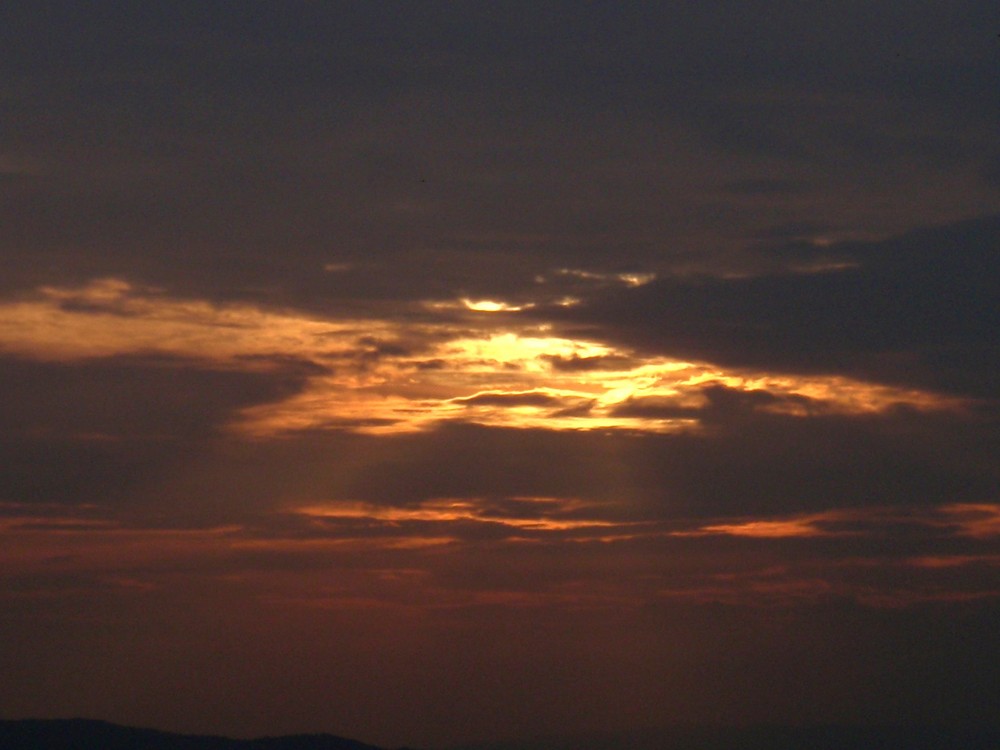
column 380, row 375
column 765, row 529
column 486, row 305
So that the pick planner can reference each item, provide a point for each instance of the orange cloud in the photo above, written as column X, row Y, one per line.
column 980, row 520
column 550, row 514
column 766, row 529
column 364, row 384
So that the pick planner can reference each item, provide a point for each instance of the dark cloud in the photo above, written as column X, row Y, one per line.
column 792, row 231
column 510, row 399
column 235, row 154
column 576, row 363
column 720, row 405
column 744, row 461
column 763, row 186
column 102, row 431
column 130, row 397
column 918, row 309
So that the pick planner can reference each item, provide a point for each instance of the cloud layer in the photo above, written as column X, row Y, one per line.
column 437, row 373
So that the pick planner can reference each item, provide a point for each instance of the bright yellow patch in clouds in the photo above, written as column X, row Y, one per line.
column 765, row 529
column 538, row 514
column 479, row 305
column 383, row 375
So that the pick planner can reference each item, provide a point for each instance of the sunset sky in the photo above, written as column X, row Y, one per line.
column 430, row 372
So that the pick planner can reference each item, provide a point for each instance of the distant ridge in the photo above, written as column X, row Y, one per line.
column 92, row 734
column 772, row 737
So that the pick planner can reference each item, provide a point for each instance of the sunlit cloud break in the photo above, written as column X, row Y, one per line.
column 383, row 376
column 531, row 514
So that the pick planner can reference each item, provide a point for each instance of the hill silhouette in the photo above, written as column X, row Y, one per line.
column 91, row 734
column 776, row 737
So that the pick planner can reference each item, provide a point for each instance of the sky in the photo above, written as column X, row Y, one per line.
column 430, row 373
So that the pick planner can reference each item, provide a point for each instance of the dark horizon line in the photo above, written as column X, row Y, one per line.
column 81, row 733
column 108, row 735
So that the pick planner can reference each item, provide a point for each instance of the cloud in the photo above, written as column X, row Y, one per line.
column 374, row 157
column 105, row 430
column 754, row 462
column 216, row 410
column 576, row 363
column 532, row 351
column 130, row 397
column 763, row 186
column 529, row 398
column 917, row 310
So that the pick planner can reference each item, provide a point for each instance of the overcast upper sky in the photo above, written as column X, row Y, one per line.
column 437, row 372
